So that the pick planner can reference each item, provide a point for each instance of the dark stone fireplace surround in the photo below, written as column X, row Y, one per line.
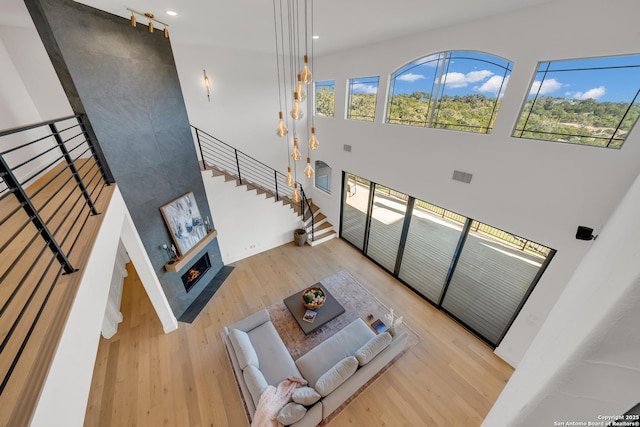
column 125, row 81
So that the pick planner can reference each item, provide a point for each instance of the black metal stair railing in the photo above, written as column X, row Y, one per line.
column 51, row 179
column 247, row 170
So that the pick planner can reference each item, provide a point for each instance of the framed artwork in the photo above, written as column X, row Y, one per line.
column 185, row 222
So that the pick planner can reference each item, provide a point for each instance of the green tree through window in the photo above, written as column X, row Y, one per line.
column 325, row 98
column 362, row 98
column 449, row 90
column 585, row 101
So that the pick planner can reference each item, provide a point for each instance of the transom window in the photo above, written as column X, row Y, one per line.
column 362, row 98
column 584, row 101
column 325, row 98
column 449, row 90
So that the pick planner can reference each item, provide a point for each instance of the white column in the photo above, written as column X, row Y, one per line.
column 112, row 314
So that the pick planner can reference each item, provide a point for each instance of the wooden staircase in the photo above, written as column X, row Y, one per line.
column 323, row 230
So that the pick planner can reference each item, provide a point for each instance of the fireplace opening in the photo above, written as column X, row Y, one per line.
column 197, row 270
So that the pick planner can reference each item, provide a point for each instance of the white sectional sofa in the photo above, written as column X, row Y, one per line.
column 335, row 369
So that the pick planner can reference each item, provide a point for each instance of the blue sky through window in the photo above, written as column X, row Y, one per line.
column 614, row 79
column 367, row 85
column 462, row 72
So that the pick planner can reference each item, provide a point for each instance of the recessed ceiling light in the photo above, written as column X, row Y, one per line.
column 171, row 13
column 316, row 37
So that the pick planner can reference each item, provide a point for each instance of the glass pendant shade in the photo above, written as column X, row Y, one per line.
column 150, row 27
column 296, row 193
column 306, row 72
column 313, row 141
column 133, row 20
column 296, row 111
column 295, row 154
column 289, row 177
column 308, row 172
column 282, row 131
column 300, row 90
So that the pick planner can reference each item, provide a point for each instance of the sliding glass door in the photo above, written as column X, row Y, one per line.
column 478, row 274
column 387, row 218
column 492, row 277
column 354, row 210
column 430, row 246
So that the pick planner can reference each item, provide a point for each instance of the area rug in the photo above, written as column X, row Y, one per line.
column 358, row 303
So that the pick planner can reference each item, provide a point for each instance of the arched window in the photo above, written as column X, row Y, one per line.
column 323, row 176
column 449, row 90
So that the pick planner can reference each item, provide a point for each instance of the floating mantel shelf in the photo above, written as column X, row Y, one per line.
column 183, row 261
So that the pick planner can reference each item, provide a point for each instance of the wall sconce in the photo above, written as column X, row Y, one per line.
column 207, row 85
column 151, row 19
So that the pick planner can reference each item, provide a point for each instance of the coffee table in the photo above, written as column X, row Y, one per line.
column 329, row 310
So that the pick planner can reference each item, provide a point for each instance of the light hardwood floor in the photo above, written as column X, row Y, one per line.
column 144, row 377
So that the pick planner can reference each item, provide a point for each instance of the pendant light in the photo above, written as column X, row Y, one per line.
column 282, row 130
column 308, row 172
column 295, row 154
column 300, row 89
column 289, row 177
column 306, row 72
column 296, row 193
column 296, row 111
column 313, row 141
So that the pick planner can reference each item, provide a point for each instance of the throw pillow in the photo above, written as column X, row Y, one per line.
column 375, row 345
column 291, row 413
column 255, row 382
column 244, row 349
column 306, row 396
column 335, row 376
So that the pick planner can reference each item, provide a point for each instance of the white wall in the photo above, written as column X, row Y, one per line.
column 247, row 223
column 244, row 107
column 585, row 362
column 29, row 93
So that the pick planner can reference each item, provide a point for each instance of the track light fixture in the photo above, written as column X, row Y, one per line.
column 151, row 18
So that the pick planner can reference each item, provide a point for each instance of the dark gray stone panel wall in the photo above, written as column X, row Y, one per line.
column 125, row 80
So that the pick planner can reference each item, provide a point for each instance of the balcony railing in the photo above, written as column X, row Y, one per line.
column 51, row 183
column 247, row 170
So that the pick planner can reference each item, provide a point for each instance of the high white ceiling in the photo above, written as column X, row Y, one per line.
column 248, row 24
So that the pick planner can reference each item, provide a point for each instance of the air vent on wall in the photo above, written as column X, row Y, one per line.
column 462, row 176
column 347, row 148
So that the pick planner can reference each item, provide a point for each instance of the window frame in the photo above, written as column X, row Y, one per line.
column 533, row 98
column 361, row 80
column 315, row 97
column 438, row 88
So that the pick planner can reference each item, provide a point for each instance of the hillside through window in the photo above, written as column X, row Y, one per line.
column 325, row 98
column 585, row 101
column 362, row 98
column 449, row 90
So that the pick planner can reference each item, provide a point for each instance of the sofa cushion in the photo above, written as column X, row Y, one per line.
column 335, row 376
column 371, row 349
column 291, row 413
column 276, row 363
column 306, row 396
column 252, row 322
column 244, row 349
column 344, row 343
column 255, row 382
